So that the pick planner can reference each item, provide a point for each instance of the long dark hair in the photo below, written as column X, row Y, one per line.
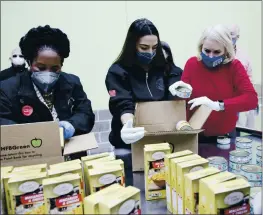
column 167, row 49
column 138, row 29
column 169, row 60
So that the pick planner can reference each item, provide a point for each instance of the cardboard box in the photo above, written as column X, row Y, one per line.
column 4, row 170
column 104, row 177
column 88, row 164
column 42, row 167
column 62, row 195
column 159, row 119
column 91, row 202
column 6, row 176
column 231, row 197
column 204, row 188
column 192, row 188
column 155, row 171
column 182, row 169
column 109, row 164
column 173, row 177
column 66, row 163
column 70, row 169
column 167, row 159
column 126, row 201
column 24, row 144
column 26, row 194
column 96, row 156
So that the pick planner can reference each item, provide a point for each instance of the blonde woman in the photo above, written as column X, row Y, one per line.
column 219, row 81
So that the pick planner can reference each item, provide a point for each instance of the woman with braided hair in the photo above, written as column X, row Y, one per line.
column 45, row 93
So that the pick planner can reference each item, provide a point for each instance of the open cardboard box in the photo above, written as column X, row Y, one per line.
column 159, row 119
column 36, row 143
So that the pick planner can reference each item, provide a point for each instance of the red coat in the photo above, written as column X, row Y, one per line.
column 229, row 83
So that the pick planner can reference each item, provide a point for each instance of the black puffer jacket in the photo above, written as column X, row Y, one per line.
column 127, row 86
column 70, row 102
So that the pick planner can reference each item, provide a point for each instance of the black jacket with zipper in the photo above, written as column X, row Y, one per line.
column 70, row 102
column 130, row 85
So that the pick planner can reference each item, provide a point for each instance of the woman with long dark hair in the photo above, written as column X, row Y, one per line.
column 138, row 75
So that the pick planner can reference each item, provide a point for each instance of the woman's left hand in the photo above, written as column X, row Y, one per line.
column 68, row 129
column 204, row 101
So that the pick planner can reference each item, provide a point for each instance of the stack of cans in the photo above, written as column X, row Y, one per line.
column 238, row 158
column 218, row 162
column 244, row 143
column 253, row 174
column 259, row 156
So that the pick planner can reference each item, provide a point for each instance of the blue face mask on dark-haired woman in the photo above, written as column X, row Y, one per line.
column 145, row 57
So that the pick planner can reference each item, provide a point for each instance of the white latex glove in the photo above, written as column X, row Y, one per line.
column 131, row 135
column 257, row 208
column 204, row 101
column 179, row 84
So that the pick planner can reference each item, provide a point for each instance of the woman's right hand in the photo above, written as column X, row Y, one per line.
column 129, row 134
column 177, row 84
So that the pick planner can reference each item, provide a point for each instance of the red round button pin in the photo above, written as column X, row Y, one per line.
column 27, row 110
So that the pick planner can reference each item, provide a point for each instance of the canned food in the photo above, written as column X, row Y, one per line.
column 235, row 167
column 218, row 162
column 183, row 126
column 239, row 156
column 243, row 139
column 244, row 143
column 183, row 92
column 241, row 176
column 223, row 147
column 223, row 140
column 249, row 150
column 252, row 172
column 259, row 161
column 255, row 183
column 259, row 151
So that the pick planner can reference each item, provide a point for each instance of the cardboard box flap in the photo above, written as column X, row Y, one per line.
column 199, row 117
column 80, row 143
column 163, row 133
column 162, row 114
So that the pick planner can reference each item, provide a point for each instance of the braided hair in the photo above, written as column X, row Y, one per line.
column 44, row 37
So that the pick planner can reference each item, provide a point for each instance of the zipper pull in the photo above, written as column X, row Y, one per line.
column 146, row 75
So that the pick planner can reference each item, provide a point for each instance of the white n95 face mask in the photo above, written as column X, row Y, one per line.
column 17, row 60
column 45, row 80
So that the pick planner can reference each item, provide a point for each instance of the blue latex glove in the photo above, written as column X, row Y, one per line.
column 68, row 129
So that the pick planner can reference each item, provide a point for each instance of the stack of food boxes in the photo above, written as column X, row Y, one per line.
column 114, row 199
column 105, row 187
column 62, row 188
column 193, row 186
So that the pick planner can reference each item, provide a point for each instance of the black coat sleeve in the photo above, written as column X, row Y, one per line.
column 7, row 116
column 83, row 118
column 174, row 75
column 118, row 86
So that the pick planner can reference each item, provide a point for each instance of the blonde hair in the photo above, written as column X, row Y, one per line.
column 221, row 34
